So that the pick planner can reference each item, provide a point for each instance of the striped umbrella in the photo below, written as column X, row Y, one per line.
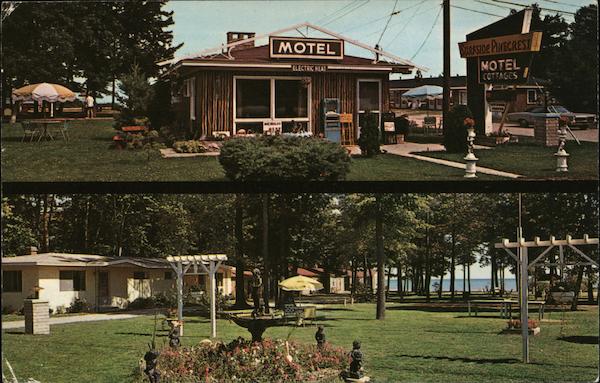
column 43, row 92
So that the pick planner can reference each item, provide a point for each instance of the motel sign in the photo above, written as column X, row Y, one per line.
column 293, row 47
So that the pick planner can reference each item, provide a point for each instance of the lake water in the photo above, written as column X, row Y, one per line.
column 477, row 284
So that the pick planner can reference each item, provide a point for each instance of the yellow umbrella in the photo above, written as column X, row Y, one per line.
column 43, row 92
column 300, row 283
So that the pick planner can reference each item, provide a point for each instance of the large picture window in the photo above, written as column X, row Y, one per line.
column 260, row 99
column 291, row 99
column 72, row 280
column 12, row 281
column 252, row 98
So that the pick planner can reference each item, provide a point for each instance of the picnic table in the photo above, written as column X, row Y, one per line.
column 506, row 306
column 45, row 123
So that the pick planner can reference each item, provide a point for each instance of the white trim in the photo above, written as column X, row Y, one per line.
column 272, row 117
column 284, row 66
column 227, row 47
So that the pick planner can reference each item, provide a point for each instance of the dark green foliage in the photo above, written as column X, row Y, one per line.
column 138, row 94
column 455, row 131
column 402, row 125
column 278, row 158
column 160, row 110
column 142, row 303
column 79, row 305
column 369, row 136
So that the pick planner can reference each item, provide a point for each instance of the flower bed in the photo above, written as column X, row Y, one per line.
column 242, row 361
column 514, row 327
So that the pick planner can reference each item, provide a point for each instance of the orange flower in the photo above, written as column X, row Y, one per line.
column 469, row 122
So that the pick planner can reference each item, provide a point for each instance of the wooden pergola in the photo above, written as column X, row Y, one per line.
column 524, row 265
column 197, row 265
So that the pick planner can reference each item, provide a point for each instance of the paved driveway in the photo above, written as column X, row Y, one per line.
column 589, row 135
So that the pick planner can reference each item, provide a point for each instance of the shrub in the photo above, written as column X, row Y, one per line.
column 363, row 293
column 455, row 131
column 369, row 136
column 190, row 146
column 243, row 361
column 138, row 94
column 79, row 305
column 280, row 158
column 142, row 303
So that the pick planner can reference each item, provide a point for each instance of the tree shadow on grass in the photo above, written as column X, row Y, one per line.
column 435, row 309
column 581, row 339
column 141, row 334
column 465, row 360
column 336, row 309
column 17, row 332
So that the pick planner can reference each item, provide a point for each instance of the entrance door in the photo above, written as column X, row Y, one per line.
column 103, row 293
column 369, row 99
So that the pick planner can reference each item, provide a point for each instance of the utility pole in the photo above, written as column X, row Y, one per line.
column 446, row 93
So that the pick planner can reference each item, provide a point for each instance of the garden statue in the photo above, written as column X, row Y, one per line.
column 320, row 337
column 174, row 340
column 354, row 373
column 151, row 370
column 256, row 286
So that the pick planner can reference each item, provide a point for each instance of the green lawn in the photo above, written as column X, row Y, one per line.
column 88, row 157
column 412, row 344
column 534, row 161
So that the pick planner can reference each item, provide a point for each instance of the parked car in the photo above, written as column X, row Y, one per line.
column 576, row 120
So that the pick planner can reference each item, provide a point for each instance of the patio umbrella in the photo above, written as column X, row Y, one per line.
column 43, row 92
column 300, row 283
column 428, row 92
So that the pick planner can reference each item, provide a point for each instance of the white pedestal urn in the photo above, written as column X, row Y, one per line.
column 561, row 154
column 470, row 159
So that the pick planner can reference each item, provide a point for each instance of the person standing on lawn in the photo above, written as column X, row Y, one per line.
column 89, row 106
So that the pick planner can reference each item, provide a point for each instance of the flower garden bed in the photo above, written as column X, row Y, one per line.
column 514, row 327
column 244, row 361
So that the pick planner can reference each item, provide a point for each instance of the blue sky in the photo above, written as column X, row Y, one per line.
column 203, row 24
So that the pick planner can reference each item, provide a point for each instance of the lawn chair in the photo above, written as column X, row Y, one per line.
column 429, row 122
column 29, row 130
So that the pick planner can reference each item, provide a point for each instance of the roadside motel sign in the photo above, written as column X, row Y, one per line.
column 306, row 48
column 503, row 59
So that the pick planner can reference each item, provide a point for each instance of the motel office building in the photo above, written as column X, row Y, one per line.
column 243, row 86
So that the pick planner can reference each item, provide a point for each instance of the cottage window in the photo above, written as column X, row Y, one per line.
column 291, row 99
column 168, row 275
column 139, row 275
column 12, row 281
column 72, row 280
column 532, row 96
column 252, row 98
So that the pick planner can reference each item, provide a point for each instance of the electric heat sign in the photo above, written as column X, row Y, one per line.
column 293, row 47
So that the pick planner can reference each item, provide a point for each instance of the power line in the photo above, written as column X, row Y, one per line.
column 350, row 11
column 561, row 3
column 473, row 10
column 388, row 22
column 428, row 34
column 337, row 11
column 542, row 8
column 408, row 21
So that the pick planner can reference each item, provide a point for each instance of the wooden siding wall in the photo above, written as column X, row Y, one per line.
column 214, row 97
column 214, row 102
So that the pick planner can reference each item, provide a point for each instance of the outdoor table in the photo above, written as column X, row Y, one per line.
column 44, row 123
column 506, row 306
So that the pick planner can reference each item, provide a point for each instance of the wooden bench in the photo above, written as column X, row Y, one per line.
column 506, row 306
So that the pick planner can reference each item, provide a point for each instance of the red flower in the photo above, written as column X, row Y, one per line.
column 469, row 122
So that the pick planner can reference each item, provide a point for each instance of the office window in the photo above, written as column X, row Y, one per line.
column 253, row 98
column 72, row 280
column 12, row 281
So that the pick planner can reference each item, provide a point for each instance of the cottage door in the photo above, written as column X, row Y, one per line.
column 103, row 293
column 369, row 99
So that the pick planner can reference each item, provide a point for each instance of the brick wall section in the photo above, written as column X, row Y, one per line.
column 37, row 318
column 546, row 131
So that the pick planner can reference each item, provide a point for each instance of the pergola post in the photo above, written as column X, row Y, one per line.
column 523, row 263
column 180, row 296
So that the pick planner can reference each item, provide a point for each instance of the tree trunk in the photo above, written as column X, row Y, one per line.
column 240, row 264
column 577, row 288
column 400, row 282
column 112, row 99
column 590, row 284
column 45, row 224
column 370, row 272
column 389, row 278
column 494, row 276
column 427, row 263
column 464, row 279
column 452, row 266
column 265, row 251
column 441, row 286
column 380, row 261
column 354, row 278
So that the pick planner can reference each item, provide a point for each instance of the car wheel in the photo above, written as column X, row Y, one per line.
column 523, row 123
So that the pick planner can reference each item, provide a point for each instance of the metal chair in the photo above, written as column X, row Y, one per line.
column 64, row 130
column 29, row 129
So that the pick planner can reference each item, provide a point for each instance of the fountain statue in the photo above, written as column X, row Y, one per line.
column 256, row 286
column 354, row 373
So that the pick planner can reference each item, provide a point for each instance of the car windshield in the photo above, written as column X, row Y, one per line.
column 557, row 108
column 536, row 109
